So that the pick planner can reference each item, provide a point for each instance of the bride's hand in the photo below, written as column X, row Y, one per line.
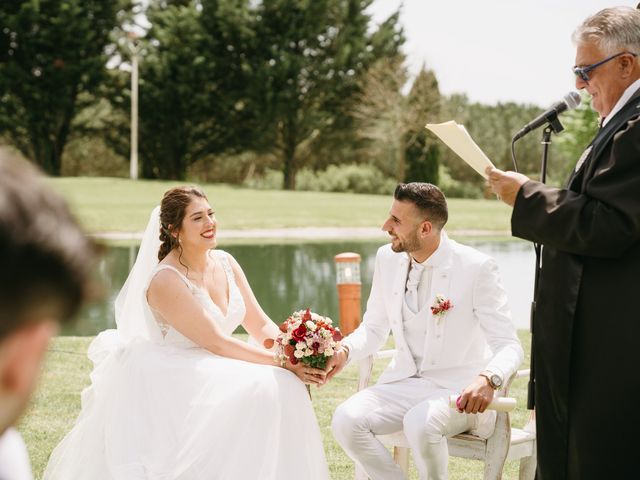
column 308, row 375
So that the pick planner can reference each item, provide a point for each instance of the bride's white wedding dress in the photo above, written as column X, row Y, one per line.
column 164, row 408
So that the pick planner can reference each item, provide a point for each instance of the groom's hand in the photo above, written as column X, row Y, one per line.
column 336, row 363
column 476, row 397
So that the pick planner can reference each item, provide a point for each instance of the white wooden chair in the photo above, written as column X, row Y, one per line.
column 506, row 443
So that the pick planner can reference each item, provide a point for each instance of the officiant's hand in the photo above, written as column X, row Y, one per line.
column 505, row 184
column 336, row 363
column 308, row 375
column 476, row 397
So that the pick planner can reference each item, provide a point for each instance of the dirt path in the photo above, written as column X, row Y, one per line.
column 306, row 233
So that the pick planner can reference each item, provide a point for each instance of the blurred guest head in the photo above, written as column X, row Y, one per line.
column 45, row 260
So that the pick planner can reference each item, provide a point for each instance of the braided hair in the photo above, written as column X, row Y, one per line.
column 172, row 210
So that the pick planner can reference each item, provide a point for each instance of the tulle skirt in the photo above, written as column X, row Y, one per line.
column 159, row 412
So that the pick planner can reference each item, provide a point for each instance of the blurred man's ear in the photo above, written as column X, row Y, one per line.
column 21, row 356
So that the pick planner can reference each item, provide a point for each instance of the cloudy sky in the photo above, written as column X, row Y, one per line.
column 495, row 50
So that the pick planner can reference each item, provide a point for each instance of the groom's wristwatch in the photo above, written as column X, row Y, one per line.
column 495, row 380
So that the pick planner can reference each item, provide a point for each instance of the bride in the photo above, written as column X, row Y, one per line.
column 173, row 394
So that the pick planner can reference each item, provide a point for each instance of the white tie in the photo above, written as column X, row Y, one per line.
column 413, row 280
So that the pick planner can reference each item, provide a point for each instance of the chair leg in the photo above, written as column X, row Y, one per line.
column 528, row 467
column 495, row 456
column 401, row 457
column 492, row 470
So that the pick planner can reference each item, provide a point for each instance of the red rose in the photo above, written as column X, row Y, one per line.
column 299, row 333
column 293, row 360
column 337, row 336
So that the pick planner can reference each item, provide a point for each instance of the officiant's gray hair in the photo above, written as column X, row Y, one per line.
column 613, row 30
column 428, row 198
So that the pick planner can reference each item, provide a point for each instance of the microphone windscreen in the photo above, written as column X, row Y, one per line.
column 572, row 99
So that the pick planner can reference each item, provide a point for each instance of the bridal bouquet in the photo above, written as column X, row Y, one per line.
column 306, row 337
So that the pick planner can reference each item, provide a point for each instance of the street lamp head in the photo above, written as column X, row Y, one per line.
column 347, row 268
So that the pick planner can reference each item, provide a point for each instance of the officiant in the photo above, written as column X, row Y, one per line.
column 587, row 324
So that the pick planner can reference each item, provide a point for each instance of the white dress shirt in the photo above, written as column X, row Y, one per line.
column 622, row 101
column 415, row 324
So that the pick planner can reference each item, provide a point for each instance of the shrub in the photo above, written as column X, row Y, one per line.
column 91, row 157
column 269, row 180
column 350, row 178
column 456, row 189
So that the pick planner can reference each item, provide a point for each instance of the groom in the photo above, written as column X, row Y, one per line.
column 423, row 272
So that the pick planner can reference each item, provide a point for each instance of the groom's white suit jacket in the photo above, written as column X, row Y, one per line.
column 475, row 335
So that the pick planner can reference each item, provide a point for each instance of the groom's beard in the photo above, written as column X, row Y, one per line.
column 409, row 244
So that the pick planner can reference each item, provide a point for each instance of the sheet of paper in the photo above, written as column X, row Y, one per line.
column 457, row 138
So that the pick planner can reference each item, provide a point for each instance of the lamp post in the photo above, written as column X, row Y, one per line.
column 133, row 160
column 349, row 290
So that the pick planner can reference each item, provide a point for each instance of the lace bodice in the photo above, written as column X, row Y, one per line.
column 227, row 323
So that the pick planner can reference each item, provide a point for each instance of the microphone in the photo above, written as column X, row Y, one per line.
column 570, row 101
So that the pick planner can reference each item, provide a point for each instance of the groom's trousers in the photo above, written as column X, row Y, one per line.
column 415, row 405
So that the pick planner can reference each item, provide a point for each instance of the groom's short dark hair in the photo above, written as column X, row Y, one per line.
column 44, row 255
column 428, row 198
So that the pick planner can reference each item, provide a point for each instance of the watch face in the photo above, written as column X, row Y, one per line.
column 496, row 381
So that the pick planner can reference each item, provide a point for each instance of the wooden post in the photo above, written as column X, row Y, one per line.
column 349, row 290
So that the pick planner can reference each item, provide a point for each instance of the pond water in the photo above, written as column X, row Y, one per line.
column 292, row 276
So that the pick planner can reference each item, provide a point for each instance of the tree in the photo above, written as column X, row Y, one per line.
column 194, row 74
column 392, row 123
column 50, row 52
column 422, row 151
column 174, row 88
column 581, row 125
column 492, row 127
column 311, row 56
column 381, row 116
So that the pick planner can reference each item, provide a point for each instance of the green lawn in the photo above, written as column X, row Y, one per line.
column 66, row 373
column 122, row 205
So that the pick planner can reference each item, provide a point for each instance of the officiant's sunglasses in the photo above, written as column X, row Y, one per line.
column 583, row 72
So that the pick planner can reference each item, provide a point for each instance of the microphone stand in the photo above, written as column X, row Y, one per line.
column 556, row 127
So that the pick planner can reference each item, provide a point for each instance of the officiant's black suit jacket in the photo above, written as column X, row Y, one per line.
column 587, row 326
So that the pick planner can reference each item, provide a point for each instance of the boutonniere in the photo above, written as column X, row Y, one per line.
column 441, row 306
